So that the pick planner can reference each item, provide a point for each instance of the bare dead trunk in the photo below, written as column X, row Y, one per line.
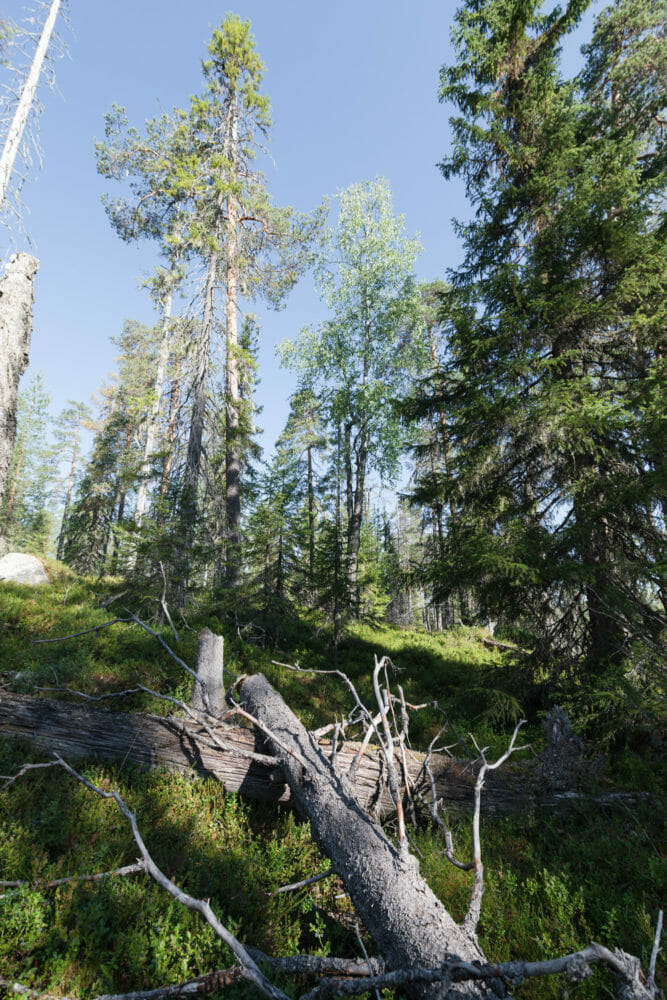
column 17, row 473
column 208, row 693
column 79, row 730
column 26, row 101
column 16, row 299
column 408, row 923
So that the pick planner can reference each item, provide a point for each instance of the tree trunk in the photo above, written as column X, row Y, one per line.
column 70, row 485
column 195, row 438
column 152, row 422
column 232, row 448
column 208, row 693
column 409, row 925
column 181, row 745
column 16, row 129
column 16, row 299
column 355, row 513
column 232, row 380
column 17, row 473
column 171, row 435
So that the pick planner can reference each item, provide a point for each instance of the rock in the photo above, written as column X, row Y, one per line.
column 16, row 567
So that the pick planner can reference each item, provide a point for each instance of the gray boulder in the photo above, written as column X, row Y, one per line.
column 16, row 567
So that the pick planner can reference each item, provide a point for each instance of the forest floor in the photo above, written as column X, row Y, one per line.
column 554, row 882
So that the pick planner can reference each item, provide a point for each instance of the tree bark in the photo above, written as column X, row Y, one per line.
column 209, row 695
column 16, row 300
column 78, row 730
column 408, row 923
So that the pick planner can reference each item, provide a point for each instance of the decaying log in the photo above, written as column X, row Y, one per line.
column 16, row 298
column 78, row 730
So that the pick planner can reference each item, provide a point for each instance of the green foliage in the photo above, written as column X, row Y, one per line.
column 552, row 491
column 26, row 519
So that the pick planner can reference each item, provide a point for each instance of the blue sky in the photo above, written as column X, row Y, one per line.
column 353, row 87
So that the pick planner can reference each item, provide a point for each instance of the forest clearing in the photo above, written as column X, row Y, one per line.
column 373, row 706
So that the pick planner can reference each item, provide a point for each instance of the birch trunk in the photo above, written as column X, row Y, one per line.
column 16, row 300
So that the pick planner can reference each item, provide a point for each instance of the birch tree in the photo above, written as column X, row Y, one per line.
column 362, row 358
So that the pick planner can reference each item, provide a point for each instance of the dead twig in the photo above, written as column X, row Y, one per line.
column 474, row 910
column 75, row 635
column 53, row 883
column 306, row 882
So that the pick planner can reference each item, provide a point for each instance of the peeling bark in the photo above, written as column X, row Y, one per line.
column 16, row 299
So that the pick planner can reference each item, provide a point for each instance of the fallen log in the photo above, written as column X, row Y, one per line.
column 409, row 924
column 80, row 731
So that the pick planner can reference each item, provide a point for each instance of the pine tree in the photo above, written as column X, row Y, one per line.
column 67, row 434
column 557, row 329
column 25, row 517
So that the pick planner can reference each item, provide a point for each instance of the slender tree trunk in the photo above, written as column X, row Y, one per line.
column 232, row 447
column 70, row 485
column 16, row 299
column 154, row 413
column 17, row 127
column 171, row 435
column 337, row 554
column 311, row 510
column 355, row 519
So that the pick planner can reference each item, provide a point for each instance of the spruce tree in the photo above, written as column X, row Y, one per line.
column 557, row 330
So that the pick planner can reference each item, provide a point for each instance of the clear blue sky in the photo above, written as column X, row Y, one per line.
column 353, row 87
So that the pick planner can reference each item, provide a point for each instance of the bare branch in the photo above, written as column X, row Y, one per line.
column 9, row 780
column 138, row 866
column 305, row 882
column 209, row 983
column 474, row 910
column 75, row 635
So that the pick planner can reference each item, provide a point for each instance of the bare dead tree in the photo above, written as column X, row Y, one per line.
column 16, row 300
column 19, row 102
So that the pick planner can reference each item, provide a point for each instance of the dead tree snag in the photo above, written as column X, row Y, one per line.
column 16, row 299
